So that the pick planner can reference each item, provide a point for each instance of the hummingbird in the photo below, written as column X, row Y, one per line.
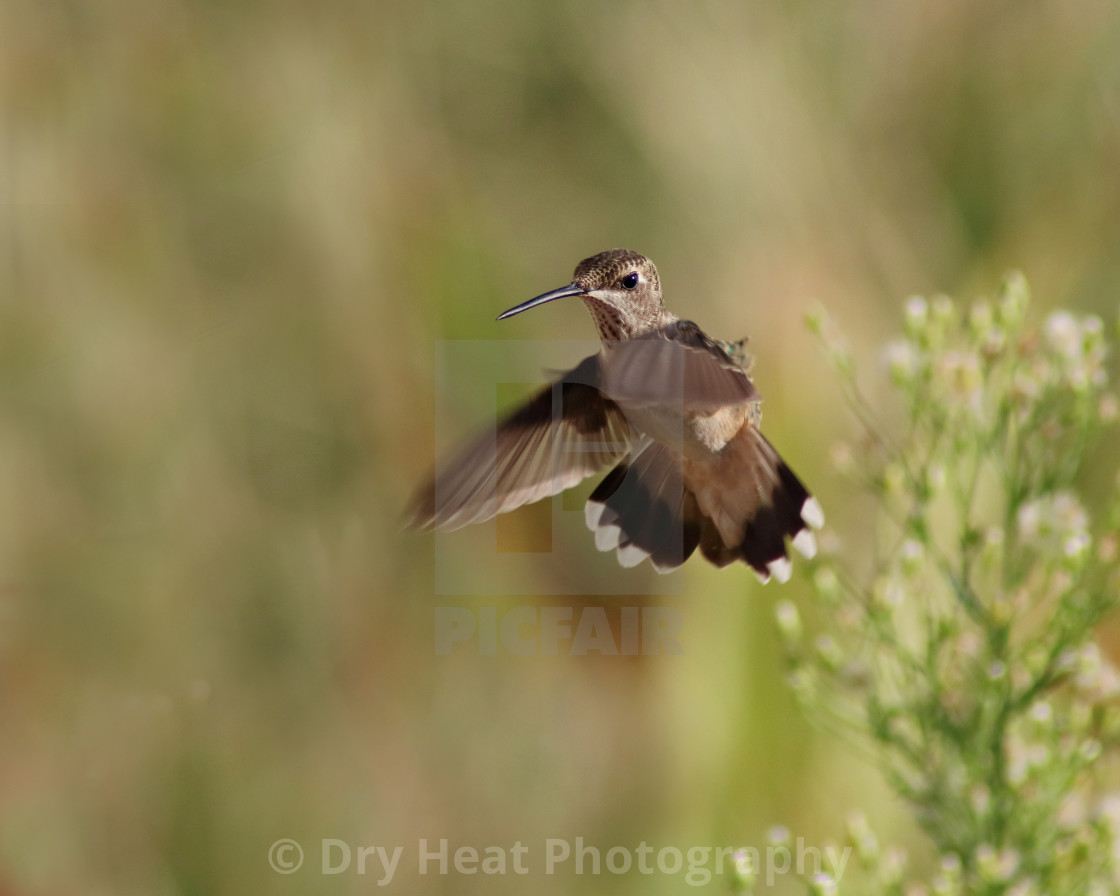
column 673, row 413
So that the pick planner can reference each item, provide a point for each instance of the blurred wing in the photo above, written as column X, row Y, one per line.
column 696, row 374
column 564, row 434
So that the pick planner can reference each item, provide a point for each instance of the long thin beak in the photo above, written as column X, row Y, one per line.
column 563, row 292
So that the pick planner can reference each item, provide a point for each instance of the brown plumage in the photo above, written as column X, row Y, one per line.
column 671, row 409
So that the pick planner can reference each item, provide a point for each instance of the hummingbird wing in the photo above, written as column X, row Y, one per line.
column 562, row 435
column 677, row 364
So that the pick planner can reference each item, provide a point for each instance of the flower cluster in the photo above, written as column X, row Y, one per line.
column 965, row 656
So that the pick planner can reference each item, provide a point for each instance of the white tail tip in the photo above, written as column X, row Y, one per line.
column 631, row 555
column 806, row 544
column 812, row 514
column 780, row 569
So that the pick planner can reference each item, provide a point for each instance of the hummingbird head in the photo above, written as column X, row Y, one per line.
column 621, row 290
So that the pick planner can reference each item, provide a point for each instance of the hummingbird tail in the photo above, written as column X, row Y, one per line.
column 750, row 502
column 741, row 505
column 642, row 509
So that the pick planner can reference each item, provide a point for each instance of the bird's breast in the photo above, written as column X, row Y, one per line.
column 696, row 436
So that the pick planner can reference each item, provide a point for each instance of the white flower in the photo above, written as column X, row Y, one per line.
column 826, row 582
column 822, row 885
column 829, row 651
column 910, row 554
column 744, row 866
column 901, row 360
column 1079, row 349
column 778, row 835
column 1056, row 522
column 996, row 867
column 789, row 620
column 1076, row 545
column 917, row 314
column 1063, row 334
column 1030, row 519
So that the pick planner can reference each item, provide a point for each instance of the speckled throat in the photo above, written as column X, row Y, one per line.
column 615, row 325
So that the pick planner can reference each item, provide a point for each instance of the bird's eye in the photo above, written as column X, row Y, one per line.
column 630, row 280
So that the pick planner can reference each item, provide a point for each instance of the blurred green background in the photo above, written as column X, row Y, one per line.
column 233, row 239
